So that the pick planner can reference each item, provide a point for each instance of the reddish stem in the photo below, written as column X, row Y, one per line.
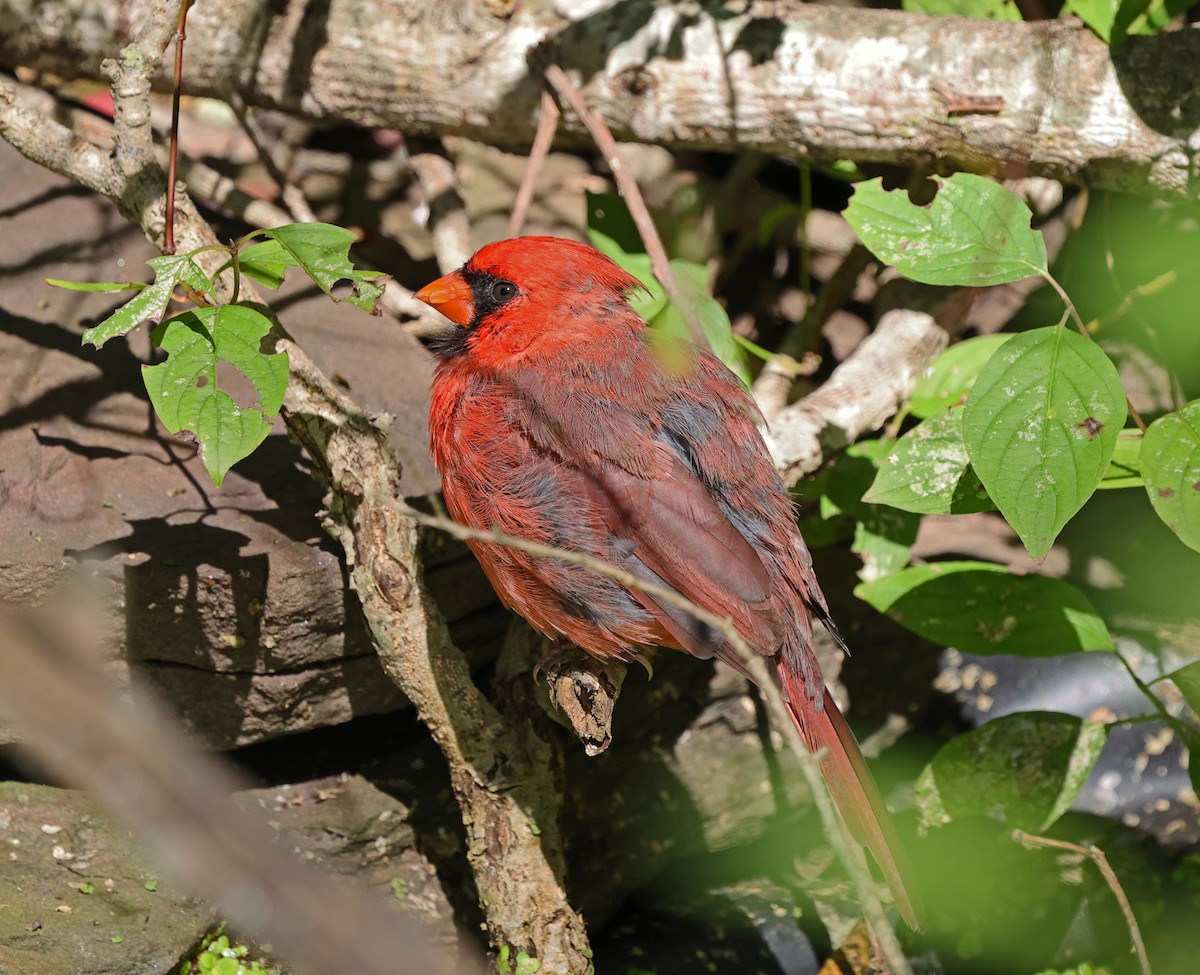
column 173, row 155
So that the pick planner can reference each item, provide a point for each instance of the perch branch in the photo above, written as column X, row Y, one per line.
column 851, row 860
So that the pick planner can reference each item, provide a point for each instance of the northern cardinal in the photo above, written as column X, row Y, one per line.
column 555, row 418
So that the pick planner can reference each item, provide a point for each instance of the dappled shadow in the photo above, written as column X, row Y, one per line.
column 47, row 195
column 1157, row 75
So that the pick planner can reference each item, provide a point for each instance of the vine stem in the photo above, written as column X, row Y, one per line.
column 173, row 153
column 1096, row 855
column 1172, row 722
column 1083, row 330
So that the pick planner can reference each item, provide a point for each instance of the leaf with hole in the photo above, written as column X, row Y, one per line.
column 323, row 251
column 1029, row 767
column 266, row 262
column 980, row 607
column 1171, row 467
column 151, row 302
column 951, row 375
column 927, row 471
column 1041, row 425
column 185, row 391
column 974, row 233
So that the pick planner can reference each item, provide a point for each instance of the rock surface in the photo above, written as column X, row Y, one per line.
column 230, row 601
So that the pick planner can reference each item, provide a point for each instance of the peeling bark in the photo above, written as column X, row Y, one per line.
column 876, row 86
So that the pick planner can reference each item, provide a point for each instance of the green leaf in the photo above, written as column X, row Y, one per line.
column 105, row 286
column 843, row 485
column 151, row 302
column 979, row 9
column 1171, row 467
column 1030, row 767
column 1041, row 425
column 1125, row 468
column 1187, row 679
column 266, row 262
column 883, row 539
column 184, row 389
column 693, row 283
column 951, row 375
column 1097, row 14
column 974, row 233
column 928, row 471
column 883, row 536
column 323, row 250
column 612, row 231
column 1114, row 20
column 979, row 607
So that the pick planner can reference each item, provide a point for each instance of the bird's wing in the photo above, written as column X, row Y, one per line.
column 676, row 534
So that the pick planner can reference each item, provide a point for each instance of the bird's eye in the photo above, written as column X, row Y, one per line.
column 504, row 290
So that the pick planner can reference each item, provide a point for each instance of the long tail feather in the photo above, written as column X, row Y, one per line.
column 853, row 789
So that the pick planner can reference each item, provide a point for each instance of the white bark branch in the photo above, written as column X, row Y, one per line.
column 861, row 394
column 779, row 77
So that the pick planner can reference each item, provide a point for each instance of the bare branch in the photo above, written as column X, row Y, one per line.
column 1096, row 855
column 779, row 78
column 633, row 199
column 447, row 212
column 548, row 115
column 861, row 394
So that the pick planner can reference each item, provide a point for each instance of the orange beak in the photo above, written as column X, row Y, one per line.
column 451, row 295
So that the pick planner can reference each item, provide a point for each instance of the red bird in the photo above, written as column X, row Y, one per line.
column 556, row 419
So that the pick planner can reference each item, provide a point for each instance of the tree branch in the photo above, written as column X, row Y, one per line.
column 777, row 77
column 501, row 775
column 861, row 394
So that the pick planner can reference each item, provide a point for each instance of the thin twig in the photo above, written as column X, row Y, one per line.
column 1161, row 711
column 438, row 179
column 774, row 383
column 1083, row 330
column 1096, row 855
column 464, row 533
column 607, row 145
column 548, row 116
column 173, row 152
column 831, row 823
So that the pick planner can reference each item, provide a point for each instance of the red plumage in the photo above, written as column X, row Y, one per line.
column 555, row 418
